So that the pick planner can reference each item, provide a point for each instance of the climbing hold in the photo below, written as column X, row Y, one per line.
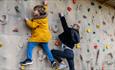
column 112, row 39
column 95, row 46
column 89, row 24
column 103, row 67
column 58, row 42
column 88, row 30
column 88, row 9
column 113, row 18
column 107, row 46
column 69, row 8
column 96, row 12
column 79, row 21
column 22, row 67
column 74, row 1
column 17, row 9
column 103, row 50
column 104, row 23
column 1, row 45
column 92, row 3
column 78, row 45
column 99, row 7
column 98, row 40
column 98, row 26
column 87, row 50
column 15, row 30
column 51, row 12
column 93, row 32
column 84, row 16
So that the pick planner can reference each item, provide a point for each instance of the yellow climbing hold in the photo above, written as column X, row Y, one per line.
column 88, row 30
column 78, row 45
column 107, row 46
column 98, row 26
column 22, row 67
column 1, row 45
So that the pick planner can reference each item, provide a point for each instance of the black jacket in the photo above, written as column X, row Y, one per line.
column 70, row 36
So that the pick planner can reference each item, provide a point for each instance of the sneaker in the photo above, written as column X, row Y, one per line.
column 53, row 64
column 62, row 66
column 26, row 62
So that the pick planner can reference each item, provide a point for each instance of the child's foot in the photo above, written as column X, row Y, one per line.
column 26, row 62
column 53, row 64
column 62, row 66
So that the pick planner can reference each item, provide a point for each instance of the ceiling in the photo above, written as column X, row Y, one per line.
column 108, row 2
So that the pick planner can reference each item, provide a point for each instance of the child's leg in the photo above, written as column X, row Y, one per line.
column 70, row 58
column 71, row 64
column 57, row 55
column 47, row 51
column 30, row 47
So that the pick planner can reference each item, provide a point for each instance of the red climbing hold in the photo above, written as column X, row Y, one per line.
column 74, row 1
column 95, row 46
column 103, row 67
column 57, row 42
column 69, row 8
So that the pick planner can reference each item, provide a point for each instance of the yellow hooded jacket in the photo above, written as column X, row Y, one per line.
column 40, row 30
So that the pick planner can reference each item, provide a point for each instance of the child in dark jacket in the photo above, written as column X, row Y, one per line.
column 67, row 40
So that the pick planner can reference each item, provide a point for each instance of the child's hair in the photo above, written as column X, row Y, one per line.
column 40, row 8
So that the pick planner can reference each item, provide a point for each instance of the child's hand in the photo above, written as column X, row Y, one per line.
column 26, row 18
column 45, row 2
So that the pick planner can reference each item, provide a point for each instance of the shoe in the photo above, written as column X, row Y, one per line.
column 62, row 66
column 27, row 62
column 53, row 64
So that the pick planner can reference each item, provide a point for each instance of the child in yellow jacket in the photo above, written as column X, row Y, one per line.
column 40, row 34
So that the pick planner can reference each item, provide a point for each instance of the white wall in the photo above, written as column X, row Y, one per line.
column 14, row 33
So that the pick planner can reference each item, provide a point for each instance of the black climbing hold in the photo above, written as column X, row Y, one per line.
column 92, row 3
column 88, row 9
column 96, row 12
column 93, row 32
column 93, row 16
column 89, row 24
column 113, row 18
column 87, row 50
column 104, row 23
column 99, row 6
column 17, row 9
column 79, row 21
column 84, row 16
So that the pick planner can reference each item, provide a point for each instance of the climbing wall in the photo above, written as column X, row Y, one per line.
column 97, row 32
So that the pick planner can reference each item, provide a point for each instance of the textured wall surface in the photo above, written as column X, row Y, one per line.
column 97, row 31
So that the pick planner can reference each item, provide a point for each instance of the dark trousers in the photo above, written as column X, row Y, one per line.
column 67, row 53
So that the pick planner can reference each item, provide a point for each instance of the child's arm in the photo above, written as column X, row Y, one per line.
column 31, row 24
column 63, row 22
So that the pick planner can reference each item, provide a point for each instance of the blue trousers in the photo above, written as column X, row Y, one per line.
column 68, row 54
column 32, row 45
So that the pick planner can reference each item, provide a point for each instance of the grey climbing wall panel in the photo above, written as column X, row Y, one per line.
column 97, row 33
